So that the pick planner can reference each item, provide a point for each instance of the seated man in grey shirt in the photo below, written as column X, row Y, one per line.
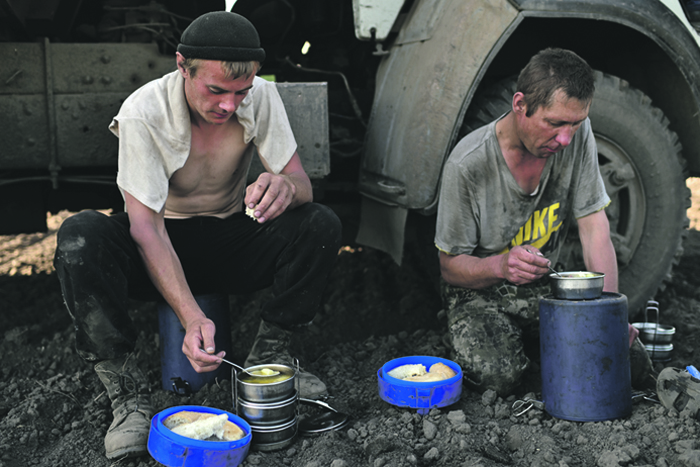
column 509, row 192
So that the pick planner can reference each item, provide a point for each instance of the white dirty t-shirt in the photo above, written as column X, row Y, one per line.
column 154, row 130
column 484, row 212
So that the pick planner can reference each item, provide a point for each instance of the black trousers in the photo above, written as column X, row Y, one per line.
column 100, row 268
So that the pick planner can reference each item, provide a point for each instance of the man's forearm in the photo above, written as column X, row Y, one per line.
column 601, row 258
column 470, row 272
column 598, row 250
column 166, row 273
column 303, row 192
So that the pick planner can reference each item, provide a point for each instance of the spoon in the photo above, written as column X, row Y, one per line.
column 254, row 374
column 548, row 266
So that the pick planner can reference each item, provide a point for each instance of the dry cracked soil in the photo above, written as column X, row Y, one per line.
column 54, row 411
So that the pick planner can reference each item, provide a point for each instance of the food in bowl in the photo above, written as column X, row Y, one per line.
column 407, row 371
column 203, row 426
column 418, row 373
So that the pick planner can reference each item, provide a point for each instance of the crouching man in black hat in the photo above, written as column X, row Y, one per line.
column 185, row 145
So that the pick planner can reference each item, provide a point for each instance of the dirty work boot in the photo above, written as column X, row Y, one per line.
column 677, row 389
column 127, row 388
column 272, row 346
column 641, row 368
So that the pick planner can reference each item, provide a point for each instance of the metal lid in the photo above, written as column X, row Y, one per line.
column 323, row 422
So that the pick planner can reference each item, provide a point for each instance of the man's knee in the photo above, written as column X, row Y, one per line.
column 320, row 227
column 324, row 220
column 494, row 367
column 72, row 237
column 83, row 238
column 488, row 345
column 502, row 377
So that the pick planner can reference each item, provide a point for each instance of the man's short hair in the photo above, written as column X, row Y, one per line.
column 550, row 70
column 232, row 70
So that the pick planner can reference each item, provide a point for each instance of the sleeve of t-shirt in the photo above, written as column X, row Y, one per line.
column 590, row 195
column 266, row 125
column 143, row 171
column 153, row 127
column 457, row 228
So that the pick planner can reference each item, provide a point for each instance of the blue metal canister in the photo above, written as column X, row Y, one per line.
column 585, row 363
column 177, row 372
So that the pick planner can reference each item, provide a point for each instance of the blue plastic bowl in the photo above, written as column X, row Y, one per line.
column 419, row 395
column 172, row 450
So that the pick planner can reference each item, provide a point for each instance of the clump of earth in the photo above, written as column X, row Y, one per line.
column 54, row 411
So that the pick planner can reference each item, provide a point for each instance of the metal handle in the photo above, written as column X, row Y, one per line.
column 390, row 188
column 319, row 403
column 522, row 406
column 234, row 381
column 651, row 308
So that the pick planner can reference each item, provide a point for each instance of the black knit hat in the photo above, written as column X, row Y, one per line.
column 221, row 35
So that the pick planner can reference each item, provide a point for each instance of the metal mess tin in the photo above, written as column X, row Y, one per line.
column 274, row 437
column 268, row 414
column 268, row 404
column 577, row 285
column 651, row 332
column 659, row 352
column 268, row 389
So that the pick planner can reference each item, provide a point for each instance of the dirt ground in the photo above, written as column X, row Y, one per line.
column 54, row 412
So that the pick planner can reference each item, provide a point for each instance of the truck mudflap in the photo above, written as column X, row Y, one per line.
column 382, row 227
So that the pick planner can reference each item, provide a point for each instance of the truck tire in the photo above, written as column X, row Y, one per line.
column 644, row 173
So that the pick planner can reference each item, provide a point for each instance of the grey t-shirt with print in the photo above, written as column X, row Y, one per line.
column 483, row 211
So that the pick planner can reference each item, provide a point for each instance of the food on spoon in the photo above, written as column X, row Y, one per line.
column 264, row 372
column 438, row 372
column 203, row 426
column 406, row 371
